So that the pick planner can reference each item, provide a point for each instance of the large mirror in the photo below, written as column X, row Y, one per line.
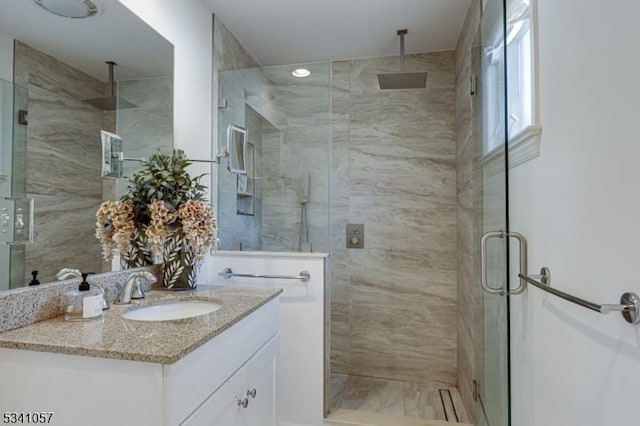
column 74, row 77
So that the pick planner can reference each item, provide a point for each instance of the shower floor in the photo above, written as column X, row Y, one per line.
column 390, row 397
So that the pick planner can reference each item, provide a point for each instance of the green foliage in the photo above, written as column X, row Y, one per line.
column 163, row 177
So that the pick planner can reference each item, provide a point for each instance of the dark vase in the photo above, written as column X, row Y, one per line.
column 179, row 269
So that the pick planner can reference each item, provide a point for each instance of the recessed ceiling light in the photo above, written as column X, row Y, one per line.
column 76, row 9
column 301, row 72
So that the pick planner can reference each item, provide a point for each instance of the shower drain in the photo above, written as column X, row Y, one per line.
column 448, row 407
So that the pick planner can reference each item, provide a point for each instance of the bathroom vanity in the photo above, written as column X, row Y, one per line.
column 213, row 369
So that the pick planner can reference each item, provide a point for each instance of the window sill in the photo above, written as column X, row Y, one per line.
column 523, row 147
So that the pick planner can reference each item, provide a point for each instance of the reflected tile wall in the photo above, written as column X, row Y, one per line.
column 394, row 311
column 63, row 163
column 148, row 127
column 229, row 54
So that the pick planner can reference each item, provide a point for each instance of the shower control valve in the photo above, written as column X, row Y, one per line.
column 355, row 235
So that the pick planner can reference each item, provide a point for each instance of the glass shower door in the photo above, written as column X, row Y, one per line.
column 490, row 196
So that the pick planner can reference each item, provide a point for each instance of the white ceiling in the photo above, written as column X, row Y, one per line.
column 289, row 31
column 115, row 34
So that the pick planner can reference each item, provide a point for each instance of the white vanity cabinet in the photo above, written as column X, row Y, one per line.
column 247, row 398
column 209, row 386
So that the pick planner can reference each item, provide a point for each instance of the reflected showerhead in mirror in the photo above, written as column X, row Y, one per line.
column 112, row 102
column 402, row 80
column 70, row 8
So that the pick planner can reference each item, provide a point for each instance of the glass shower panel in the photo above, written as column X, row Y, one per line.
column 282, row 202
column 13, row 159
column 490, row 183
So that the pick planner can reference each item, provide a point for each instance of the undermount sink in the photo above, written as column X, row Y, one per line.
column 172, row 311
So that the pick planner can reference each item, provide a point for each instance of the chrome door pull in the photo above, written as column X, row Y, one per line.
column 483, row 260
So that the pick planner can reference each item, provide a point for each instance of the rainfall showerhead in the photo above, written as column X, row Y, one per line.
column 112, row 102
column 402, row 80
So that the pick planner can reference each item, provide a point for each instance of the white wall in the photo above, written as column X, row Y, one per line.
column 578, row 204
column 188, row 25
column 6, row 57
column 301, row 363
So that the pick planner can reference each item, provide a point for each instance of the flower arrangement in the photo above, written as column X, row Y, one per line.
column 163, row 218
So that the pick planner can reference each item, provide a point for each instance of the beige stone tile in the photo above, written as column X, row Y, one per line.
column 374, row 395
column 64, row 236
column 344, row 417
column 409, row 342
column 63, row 155
column 419, row 401
column 52, row 75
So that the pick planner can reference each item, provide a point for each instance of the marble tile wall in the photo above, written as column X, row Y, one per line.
column 148, row 127
column 63, row 163
column 393, row 166
column 303, row 110
column 6, row 134
column 466, row 149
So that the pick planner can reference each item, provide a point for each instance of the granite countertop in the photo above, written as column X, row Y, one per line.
column 162, row 342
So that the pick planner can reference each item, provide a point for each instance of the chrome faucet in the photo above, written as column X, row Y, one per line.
column 133, row 288
column 65, row 273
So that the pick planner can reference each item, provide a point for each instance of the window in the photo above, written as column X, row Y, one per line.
column 523, row 129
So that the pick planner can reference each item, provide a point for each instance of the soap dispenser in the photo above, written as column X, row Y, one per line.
column 83, row 304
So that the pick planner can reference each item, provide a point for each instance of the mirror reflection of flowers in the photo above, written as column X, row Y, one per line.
column 163, row 218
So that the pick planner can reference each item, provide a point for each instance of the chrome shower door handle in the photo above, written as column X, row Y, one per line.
column 522, row 242
column 483, row 262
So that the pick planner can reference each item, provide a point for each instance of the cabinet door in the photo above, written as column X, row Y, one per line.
column 259, row 408
column 261, row 386
column 222, row 408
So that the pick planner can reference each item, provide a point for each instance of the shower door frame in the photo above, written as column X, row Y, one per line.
column 491, row 214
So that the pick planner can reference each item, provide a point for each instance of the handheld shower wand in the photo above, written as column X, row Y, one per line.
column 303, row 240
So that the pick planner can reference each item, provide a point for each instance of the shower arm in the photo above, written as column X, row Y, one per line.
column 180, row 154
column 402, row 33
column 112, row 82
column 120, row 157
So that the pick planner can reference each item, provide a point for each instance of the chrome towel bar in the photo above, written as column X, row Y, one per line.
column 629, row 302
column 302, row 276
